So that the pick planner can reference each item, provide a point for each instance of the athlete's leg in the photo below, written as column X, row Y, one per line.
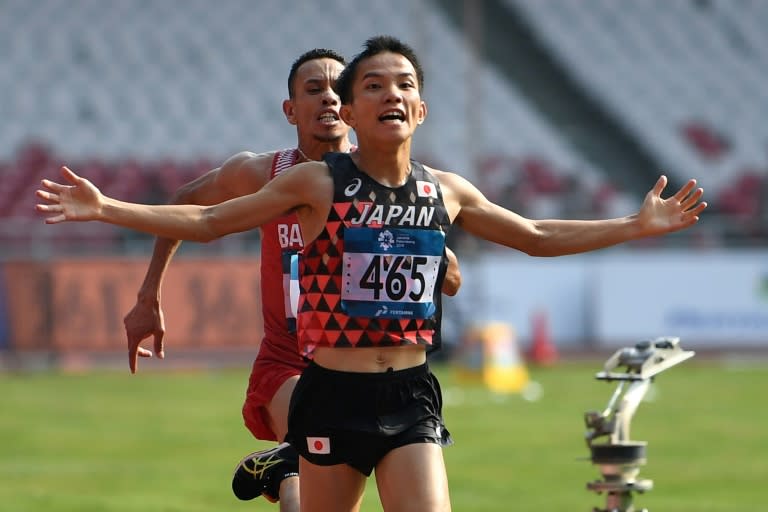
column 288, row 489
column 337, row 488
column 272, row 473
column 412, row 478
column 278, row 408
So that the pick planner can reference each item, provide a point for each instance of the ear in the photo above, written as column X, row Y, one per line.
column 289, row 112
column 422, row 112
column 345, row 113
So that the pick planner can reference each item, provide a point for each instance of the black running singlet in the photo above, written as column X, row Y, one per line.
column 374, row 274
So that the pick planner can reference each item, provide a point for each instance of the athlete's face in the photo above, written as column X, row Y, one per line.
column 314, row 108
column 386, row 102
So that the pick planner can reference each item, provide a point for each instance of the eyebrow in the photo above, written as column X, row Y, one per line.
column 376, row 74
column 317, row 82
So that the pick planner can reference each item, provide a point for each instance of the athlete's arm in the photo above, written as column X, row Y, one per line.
column 555, row 237
column 452, row 280
column 306, row 188
column 241, row 174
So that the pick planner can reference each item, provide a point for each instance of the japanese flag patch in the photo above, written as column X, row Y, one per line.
column 426, row 189
column 319, row 445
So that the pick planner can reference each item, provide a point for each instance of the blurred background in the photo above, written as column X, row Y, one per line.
column 553, row 108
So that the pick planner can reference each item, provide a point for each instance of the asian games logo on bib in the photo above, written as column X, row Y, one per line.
column 386, row 240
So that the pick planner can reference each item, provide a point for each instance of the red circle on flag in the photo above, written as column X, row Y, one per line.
column 318, row 445
column 427, row 189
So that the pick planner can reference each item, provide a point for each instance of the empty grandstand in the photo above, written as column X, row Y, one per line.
column 556, row 108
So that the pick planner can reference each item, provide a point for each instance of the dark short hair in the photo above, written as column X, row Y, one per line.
column 314, row 54
column 374, row 46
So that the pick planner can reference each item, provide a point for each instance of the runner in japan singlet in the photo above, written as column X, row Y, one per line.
column 374, row 275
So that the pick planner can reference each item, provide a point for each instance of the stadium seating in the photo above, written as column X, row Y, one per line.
column 142, row 96
column 687, row 78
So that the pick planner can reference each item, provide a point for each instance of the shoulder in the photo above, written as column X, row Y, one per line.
column 247, row 170
column 305, row 174
column 248, row 160
column 447, row 179
column 457, row 190
column 243, row 173
column 309, row 184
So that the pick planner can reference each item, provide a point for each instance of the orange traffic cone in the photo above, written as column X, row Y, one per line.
column 542, row 352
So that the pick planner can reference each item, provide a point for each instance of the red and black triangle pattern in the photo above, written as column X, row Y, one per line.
column 322, row 320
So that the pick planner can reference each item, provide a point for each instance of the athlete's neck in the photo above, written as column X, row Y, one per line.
column 313, row 152
column 388, row 169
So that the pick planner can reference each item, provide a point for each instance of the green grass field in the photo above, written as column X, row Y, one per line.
column 168, row 440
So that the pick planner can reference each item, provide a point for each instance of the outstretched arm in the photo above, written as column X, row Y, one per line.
column 555, row 237
column 241, row 174
column 305, row 187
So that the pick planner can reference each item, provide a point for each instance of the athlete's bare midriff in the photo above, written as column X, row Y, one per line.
column 370, row 359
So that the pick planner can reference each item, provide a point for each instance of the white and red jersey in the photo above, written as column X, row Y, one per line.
column 281, row 241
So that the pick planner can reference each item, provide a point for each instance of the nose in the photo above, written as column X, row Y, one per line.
column 330, row 97
column 393, row 94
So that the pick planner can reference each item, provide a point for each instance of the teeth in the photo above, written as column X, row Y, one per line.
column 392, row 115
column 328, row 117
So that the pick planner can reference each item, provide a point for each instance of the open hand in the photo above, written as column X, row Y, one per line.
column 78, row 201
column 658, row 215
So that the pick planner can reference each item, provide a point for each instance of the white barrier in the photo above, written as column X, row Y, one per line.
column 617, row 297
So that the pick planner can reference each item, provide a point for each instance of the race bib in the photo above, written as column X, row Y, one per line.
column 391, row 272
column 290, row 288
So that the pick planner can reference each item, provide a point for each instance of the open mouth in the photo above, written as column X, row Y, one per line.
column 328, row 117
column 392, row 116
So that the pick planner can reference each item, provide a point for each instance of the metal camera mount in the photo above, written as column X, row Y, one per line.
column 620, row 458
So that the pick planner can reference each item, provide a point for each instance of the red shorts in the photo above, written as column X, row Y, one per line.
column 267, row 375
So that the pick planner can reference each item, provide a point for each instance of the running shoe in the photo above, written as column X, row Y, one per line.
column 260, row 473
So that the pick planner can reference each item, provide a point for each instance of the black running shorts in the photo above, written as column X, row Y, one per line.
column 357, row 418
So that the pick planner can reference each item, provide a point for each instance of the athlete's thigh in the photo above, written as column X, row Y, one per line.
column 412, row 478
column 337, row 488
column 278, row 407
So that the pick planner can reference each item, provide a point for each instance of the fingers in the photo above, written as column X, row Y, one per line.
column 52, row 185
column 48, row 196
column 56, row 188
column 49, row 208
column 696, row 211
column 690, row 201
column 688, row 196
column 69, row 175
column 56, row 220
column 134, row 354
column 133, row 349
column 159, row 345
column 53, row 199
column 683, row 192
column 132, row 362
column 661, row 183
column 52, row 208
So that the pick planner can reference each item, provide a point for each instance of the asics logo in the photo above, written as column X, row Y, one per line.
column 261, row 466
column 353, row 187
